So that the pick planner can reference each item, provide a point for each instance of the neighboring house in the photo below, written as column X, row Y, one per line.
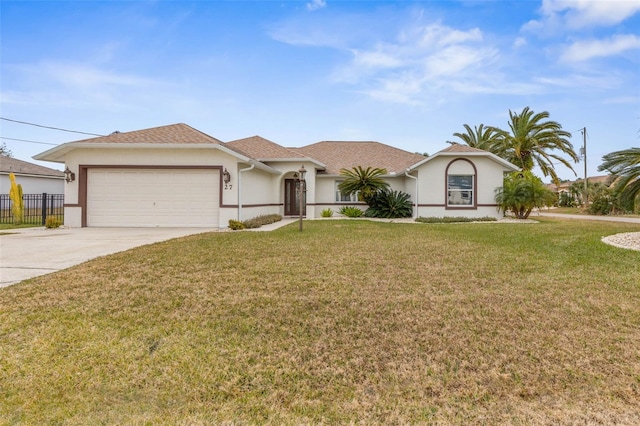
column 176, row 175
column 566, row 185
column 34, row 179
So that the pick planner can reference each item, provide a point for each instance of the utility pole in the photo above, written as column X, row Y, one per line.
column 584, row 153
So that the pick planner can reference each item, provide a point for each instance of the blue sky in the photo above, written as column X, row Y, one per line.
column 408, row 74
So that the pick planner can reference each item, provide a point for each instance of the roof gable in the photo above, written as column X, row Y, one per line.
column 338, row 155
column 459, row 150
column 262, row 149
column 171, row 134
column 13, row 165
column 456, row 147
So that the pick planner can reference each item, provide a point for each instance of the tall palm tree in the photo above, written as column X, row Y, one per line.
column 625, row 167
column 487, row 138
column 367, row 182
column 532, row 140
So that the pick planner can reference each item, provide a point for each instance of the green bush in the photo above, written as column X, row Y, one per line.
column 236, row 225
column 451, row 219
column 52, row 222
column 521, row 193
column 350, row 211
column 388, row 204
column 258, row 221
column 566, row 200
column 327, row 213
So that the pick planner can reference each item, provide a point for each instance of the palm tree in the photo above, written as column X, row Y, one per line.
column 532, row 139
column 367, row 182
column 522, row 192
column 624, row 166
column 487, row 138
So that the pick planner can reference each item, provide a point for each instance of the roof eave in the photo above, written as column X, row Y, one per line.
column 293, row 160
column 58, row 153
column 488, row 154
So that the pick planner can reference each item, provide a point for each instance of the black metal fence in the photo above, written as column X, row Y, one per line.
column 37, row 207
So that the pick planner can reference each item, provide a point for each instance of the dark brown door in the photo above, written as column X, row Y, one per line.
column 292, row 199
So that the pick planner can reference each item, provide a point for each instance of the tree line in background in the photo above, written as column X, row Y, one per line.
column 534, row 140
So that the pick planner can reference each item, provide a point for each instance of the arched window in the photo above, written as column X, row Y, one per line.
column 461, row 184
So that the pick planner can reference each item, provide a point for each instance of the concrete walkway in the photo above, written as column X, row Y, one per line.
column 30, row 252
column 587, row 217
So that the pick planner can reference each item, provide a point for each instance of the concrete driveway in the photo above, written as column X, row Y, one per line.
column 29, row 252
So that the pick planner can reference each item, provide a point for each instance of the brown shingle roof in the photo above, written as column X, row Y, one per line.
column 456, row 147
column 173, row 133
column 338, row 155
column 12, row 165
column 260, row 148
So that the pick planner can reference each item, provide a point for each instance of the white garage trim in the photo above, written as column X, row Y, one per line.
column 152, row 197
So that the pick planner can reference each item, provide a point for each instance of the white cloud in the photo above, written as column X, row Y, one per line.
column 622, row 100
column 420, row 60
column 316, row 4
column 588, row 49
column 559, row 15
column 519, row 42
column 83, row 76
column 585, row 13
column 74, row 85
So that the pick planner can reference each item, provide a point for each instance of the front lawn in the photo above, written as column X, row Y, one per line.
column 6, row 226
column 581, row 211
column 348, row 322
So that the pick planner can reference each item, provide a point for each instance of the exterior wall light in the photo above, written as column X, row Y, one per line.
column 69, row 176
column 226, row 176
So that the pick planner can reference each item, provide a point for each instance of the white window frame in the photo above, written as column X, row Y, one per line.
column 466, row 194
column 343, row 198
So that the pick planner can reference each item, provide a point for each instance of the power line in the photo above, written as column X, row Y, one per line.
column 49, row 127
column 24, row 140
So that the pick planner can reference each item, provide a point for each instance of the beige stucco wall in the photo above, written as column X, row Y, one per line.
column 156, row 156
column 326, row 190
column 433, row 192
column 33, row 184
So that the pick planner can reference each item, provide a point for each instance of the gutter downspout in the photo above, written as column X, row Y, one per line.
column 406, row 173
column 240, row 189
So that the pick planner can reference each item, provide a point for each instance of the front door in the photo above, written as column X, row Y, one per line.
column 292, row 199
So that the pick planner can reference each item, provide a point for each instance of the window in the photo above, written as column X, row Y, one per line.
column 345, row 198
column 460, row 190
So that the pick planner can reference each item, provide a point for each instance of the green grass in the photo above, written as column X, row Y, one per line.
column 350, row 321
column 581, row 211
column 7, row 226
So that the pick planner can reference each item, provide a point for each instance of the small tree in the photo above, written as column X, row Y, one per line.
column 17, row 207
column 522, row 192
column 366, row 182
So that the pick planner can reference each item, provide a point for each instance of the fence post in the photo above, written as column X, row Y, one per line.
column 44, row 208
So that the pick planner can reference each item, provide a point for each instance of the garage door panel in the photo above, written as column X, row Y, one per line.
column 167, row 197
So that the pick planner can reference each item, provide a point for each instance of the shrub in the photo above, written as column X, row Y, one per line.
column 258, row 221
column 17, row 207
column 458, row 219
column 327, row 213
column 388, row 204
column 236, row 225
column 52, row 222
column 350, row 211
column 566, row 200
column 521, row 193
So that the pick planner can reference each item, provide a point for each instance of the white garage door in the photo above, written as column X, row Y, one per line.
column 150, row 197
